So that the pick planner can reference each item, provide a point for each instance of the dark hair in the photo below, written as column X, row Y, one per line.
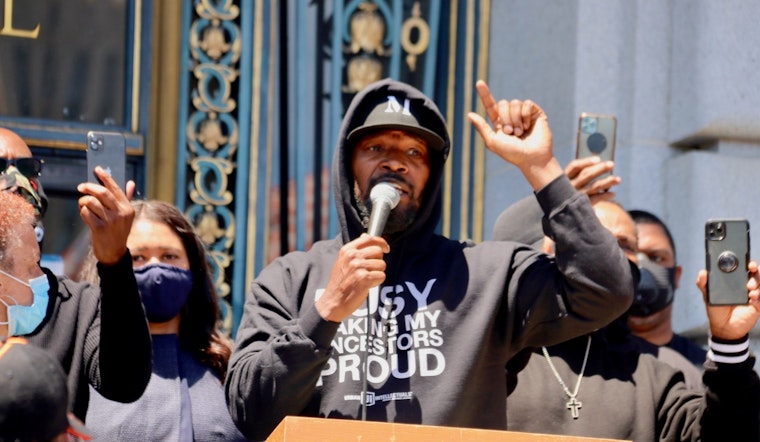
column 198, row 331
column 15, row 211
column 644, row 217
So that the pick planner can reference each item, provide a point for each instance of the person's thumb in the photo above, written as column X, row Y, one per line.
column 481, row 125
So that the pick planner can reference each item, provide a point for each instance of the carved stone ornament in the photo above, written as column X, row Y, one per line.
column 362, row 71
column 214, row 43
column 414, row 49
column 367, row 30
column 211, row 135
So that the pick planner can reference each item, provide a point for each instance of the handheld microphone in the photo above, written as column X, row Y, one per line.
column 384, row 198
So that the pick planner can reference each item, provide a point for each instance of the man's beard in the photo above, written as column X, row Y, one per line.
column 399, row 219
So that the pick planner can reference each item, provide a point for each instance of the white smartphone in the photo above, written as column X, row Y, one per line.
column 596, row 136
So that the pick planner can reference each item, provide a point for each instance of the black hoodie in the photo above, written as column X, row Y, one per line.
column 451, row 313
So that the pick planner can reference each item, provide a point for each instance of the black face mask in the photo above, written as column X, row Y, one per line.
column 656, row 288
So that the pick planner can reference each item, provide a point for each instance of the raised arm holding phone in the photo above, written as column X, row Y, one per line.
column 100, row 335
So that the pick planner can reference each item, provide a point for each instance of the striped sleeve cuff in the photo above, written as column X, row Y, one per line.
column 728, row 351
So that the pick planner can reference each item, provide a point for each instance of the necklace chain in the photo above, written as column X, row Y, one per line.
column 573, row 404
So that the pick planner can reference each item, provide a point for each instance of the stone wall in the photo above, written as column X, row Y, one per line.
column 681, row 76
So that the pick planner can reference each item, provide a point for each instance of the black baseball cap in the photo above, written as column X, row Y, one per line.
column 33, row 395
column 397, row 113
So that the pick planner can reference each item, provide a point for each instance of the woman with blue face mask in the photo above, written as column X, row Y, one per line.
column 184, row 399
column 23, row 285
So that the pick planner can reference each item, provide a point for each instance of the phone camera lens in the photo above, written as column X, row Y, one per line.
column 588, row 125
column 96, row 143
column 716, row 231
column 728, row 262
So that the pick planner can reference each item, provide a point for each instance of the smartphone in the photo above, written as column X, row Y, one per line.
column 727, row 253
column 109, row 151
column 596, row 136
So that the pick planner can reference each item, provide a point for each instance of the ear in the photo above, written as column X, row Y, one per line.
column 677, row 278
column 548, row 246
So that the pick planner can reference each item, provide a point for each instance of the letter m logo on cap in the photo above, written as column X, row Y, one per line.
column 395, row 107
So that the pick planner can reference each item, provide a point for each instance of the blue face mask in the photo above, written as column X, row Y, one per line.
column 164, row 290
column 24, row 319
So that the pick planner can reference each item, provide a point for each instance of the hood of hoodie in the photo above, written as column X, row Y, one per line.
column 430, row 117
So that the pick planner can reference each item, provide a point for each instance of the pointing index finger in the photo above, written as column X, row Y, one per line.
column 489, row 103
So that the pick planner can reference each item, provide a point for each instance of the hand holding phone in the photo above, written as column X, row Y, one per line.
column 727, row 257
column 109, row 151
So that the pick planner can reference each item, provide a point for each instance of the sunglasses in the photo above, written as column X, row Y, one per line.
column 29, row 167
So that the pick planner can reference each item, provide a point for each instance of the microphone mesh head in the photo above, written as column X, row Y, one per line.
column 384, row 191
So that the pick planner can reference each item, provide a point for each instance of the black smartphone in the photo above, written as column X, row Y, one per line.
column 596, row 136
column 109, row 151
column 727, row 256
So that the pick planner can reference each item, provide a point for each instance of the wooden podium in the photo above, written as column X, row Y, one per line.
column 309, row 429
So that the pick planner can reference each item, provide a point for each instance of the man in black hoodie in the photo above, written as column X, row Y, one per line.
column 410, row 326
